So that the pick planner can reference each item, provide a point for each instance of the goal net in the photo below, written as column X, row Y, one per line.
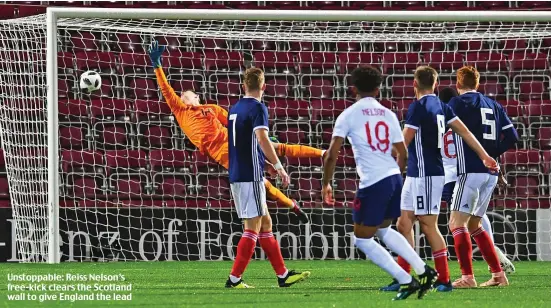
column 131, row 185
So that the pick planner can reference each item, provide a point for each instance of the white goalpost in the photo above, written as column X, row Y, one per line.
column 110, row 176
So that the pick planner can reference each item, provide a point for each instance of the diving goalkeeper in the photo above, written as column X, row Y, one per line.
column 205, row 126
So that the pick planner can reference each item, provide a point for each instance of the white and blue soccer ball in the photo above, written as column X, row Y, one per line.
column 90, row 81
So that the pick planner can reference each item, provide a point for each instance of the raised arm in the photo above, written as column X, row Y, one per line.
column 172, row 99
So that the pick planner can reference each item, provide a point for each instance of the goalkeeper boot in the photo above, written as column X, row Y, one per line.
column 407, row 289
column 302, row 216
column 394, row 286
column 292, row 278
column 497, row 280
column 506, row 264
column 442, row 287
column 426, row 280
column 238, row 285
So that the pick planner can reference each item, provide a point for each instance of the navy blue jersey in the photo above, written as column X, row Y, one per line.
column 245, row 155
column 486, row 119
column 429, row 117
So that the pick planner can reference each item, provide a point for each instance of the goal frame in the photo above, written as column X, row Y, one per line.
column 55, row 13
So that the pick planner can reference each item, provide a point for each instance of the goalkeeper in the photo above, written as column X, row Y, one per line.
column 205, row 126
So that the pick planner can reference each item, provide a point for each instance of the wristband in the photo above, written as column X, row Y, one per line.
column 278, row 166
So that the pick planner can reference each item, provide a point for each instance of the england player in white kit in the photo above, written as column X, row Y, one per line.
column 426, row 123
column 449, row 159
column 374, row 131
column 248, row 148
column 475, row 185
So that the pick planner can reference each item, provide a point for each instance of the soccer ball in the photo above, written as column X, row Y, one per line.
column 90, row 81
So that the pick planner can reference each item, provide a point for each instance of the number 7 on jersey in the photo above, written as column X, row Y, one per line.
column 233, row 117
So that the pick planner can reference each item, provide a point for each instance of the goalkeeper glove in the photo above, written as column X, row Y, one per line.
column 155, row 53
column 274, row 140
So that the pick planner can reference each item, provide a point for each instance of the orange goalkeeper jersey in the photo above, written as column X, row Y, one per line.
column 204, row 125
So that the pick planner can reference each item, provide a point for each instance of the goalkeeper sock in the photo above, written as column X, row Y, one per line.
column 273, row 193
column 273, row 252
column 295, row 150
column 398, row 243
column 487, row 226
column 404, row 264
column 245, row 251
column 441, row 264
column 486, row 246
column 380, row 256
column 463, row 249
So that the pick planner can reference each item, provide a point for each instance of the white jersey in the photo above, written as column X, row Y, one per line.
column 371, row 129
column 449, row 158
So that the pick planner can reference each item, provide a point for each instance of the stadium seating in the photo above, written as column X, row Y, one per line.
column 157, row 137
column 7, row 11
column 345, row 189
column 72, row 137
column 400, row 62
column 281, row 87
column 317, row 62
column 522, row 161
column 84, row 41
column 445, row 62
column 290, row 110
column 487, row 61
column 544, row 137
column 221, row 61
column 524, row 187
column 176, row 161
column 274, row 61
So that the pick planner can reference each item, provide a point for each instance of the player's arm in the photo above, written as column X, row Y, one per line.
column 413, row 120
column 510, row 134
column 329, row 163
column 340, row 131
column 260, row 127
column 172, row 99
column 401, row 154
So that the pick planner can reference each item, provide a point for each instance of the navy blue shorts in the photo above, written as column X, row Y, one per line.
column 378, row 202
column 447, row 193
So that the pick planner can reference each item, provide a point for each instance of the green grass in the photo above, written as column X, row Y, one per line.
column 332, row 284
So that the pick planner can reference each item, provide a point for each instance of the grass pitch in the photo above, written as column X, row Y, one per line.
column 332, row 284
